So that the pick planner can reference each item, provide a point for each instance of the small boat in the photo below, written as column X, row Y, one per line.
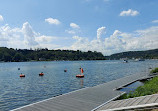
column 22, row 75
column 139, row 59
column 125, row 61
column 41, row 74
column 81, row 75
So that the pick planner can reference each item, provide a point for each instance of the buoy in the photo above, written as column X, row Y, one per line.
column 65, row 70
column 41, row 74
column 22, row 75
column 81, row 75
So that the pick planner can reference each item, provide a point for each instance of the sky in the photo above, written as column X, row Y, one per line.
column 107, row 26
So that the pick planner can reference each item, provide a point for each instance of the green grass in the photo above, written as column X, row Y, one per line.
column 154, row 70
column 149, row 87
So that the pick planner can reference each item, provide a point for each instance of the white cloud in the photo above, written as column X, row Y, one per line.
column 129, row 12
column 26, row 37
column 74, row 29
column 119, row 42
column 75, row 26
column 82, row 43
column 70, row 31
column 155, row 21
column 53, row 21
column 29, row 35
column 46, row 39
column 100, row 32
column 1, row 18
column 9, row 35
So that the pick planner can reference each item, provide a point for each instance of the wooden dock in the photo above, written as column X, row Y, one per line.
column 143, row 102
column 86, row 99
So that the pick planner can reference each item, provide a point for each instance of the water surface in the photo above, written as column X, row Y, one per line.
column 16, row 92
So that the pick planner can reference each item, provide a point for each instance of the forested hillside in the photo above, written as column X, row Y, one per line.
column 149, row 54
column 14, row 55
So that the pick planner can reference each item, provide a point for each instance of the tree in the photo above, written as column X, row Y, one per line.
column 18, row 57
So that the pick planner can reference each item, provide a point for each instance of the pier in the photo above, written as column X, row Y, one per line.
column 86, row 99
column 137, row 103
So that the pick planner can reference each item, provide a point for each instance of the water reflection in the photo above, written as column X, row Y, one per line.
column 81, row 82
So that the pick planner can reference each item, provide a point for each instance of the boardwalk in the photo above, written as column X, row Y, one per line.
column 132, row 103
column 86, row 99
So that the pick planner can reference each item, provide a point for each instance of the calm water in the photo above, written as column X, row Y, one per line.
column 16, row 91
column 131, row 88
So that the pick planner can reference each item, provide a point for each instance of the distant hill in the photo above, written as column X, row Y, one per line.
column 18, row 55
column 14, row 55
column 149, row 54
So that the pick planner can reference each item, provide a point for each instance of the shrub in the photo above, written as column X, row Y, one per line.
column 149, row 87
column 154, row 70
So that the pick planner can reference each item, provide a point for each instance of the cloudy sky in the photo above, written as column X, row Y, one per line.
column 107, row 26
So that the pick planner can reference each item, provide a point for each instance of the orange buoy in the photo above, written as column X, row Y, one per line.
column 80, row 75
column 41, row 74
column 22, row 75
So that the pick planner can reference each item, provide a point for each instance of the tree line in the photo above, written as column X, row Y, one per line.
column 148, row 54
column 18, row 55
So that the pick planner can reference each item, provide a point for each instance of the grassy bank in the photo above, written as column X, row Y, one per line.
column 149, row 87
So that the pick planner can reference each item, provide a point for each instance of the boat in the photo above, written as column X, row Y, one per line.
column 22, row 75
column 41, row 74
column 81, row 75
column 125, row 61
column 139, row 59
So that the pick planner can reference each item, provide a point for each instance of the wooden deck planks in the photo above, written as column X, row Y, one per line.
column 153, row 99
column 156, row 101
column 113, row 105
column 138, row 101
column 143, row 101
column 107, row 105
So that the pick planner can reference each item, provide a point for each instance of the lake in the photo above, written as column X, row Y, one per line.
column 16, row 92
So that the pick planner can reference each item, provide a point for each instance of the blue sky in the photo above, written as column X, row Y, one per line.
column 107, row 26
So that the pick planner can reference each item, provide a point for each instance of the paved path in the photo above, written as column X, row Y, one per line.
column 132, row 103
column 87, row 99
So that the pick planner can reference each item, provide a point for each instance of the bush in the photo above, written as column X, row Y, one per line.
column 154, row 70
column 149, row 87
